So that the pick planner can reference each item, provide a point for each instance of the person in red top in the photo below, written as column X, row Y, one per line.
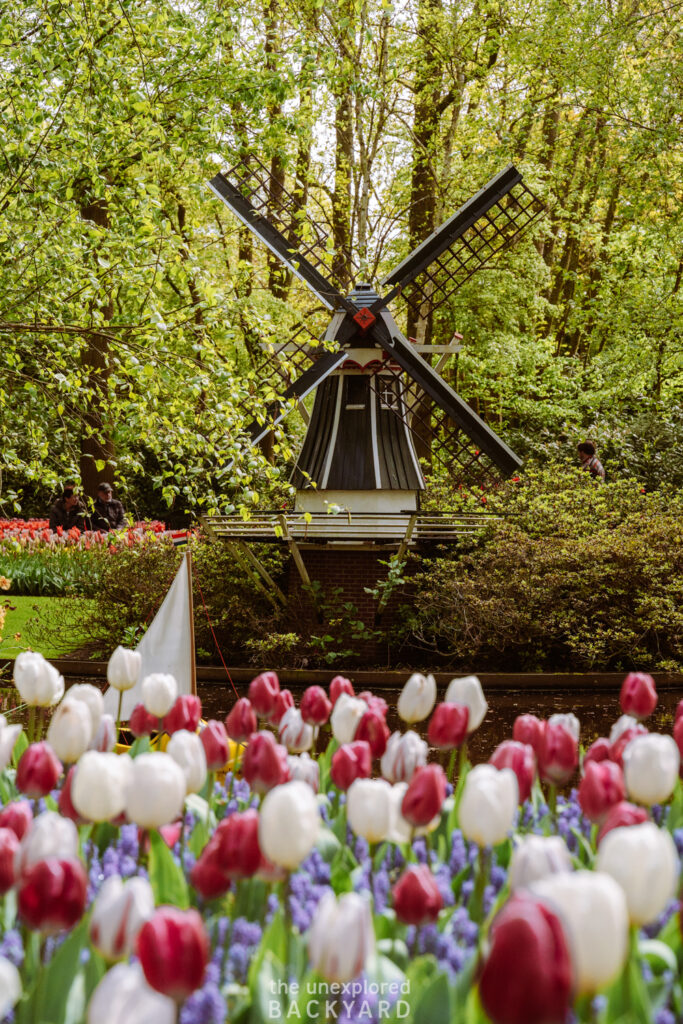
column 589, row 460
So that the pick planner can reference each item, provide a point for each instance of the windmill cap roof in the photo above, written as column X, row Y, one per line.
column 363, row 295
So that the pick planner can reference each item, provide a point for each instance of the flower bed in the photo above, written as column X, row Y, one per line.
column 338, row 872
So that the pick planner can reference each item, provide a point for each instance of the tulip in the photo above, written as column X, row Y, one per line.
column 651, row 766
column 529, row 729
column 119, row 912
column 173, row 950
column 262, row 693
column 527, row 975
column 294, row 733
column 17, row 816
column 304, row 769
column 374, row 731
column 679, row 710
column 346, row 716
column 123, row 669
column 425, row 795
column 416, row 895
column 616, row 751
column 52, row 894
column 207, row 874
column 623, row 724
column 38, row 770
column 521, row 759
column 448, row 726
column 241, row 722
column 352, row 761
column 70, row 730
column 620, row 816
column 593, row 911
column 644, row 861
column 341, row 939
column 187, row 750
column 598, row 751
column 39, row 683
column 99, row 786
column 159, row 692
column 289, row 824
column 535, row 857
column 185, row 714
column 558, row 754
column 678, row 738
column 9, row 734
column 237, row 844
column 468, row 691
column 65, row 804
column 265, row 763
column 369, row 810
column 106, row 736
column 374, row 703
column 92, row 697
column 9, row 848
column 315, row 706
column 10, row 986
column 214, row 737
column 338, row 686
column 283, row 701
column 570, row 723
column 50, row 836
column 638, row 695
column 404, row 754
column 488, row 804
column 124, row 997
column 400, row 829
column 602, row 786
column 417, row 698
column 141, row 722
column 156, row 790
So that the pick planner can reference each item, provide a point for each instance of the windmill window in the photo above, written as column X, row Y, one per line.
column 356, row 391
column 388, row 399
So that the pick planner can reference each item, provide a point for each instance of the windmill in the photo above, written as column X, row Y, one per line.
column 373, row 385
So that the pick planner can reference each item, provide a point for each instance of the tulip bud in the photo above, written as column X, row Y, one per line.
column 679, row 710
column 369, row 809
column 17, row 816
column 216, row 745
column 598, row 751
column 50, row 836
column 448, row 726
column 338, row 686
column 262, row 693
column 141, row 722
column 341, row 938
column 346, row 716
column 10, row 987
column 52, row 894
column 9, row 734
column 374, row 731
column 289, row 824
column 425, row 795
column 315, row 707
column 616, row 750
column 159, row 692
column 644, row 861
column 38, row 770
column 119, row 911
column 294, row 733
column 352, row 761
column 527, row 975
column 156, row 790
column 638, row 695
column 187, row 750
column 535, row 857
column 207, row 874
column 173, row 950
column 624, row 723
column 374, row 703
column 99, row 787
column 124, row 997
column 237, row 842
column 9, row 847
column 400, row 829
column 65, row 804
column 570, row 723
column 468, row 691
column 123, row 669
column 678, row 739
column 304, row 769
column 92, row 697
column 417, row 898
column 404, row 754
column 621, row 816
column 521, row 759
column 241, row 722
column 529, row 729
column 417, row 698
column 185, row 714
column 38, row 683
column 488, row 804
column 602, row 786
column 283, row 701
column 70, row 730
column 651, row 766
column 558, row 754
column 265, row 763
column 105, row 738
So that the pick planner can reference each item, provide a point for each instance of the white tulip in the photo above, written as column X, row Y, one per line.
column 346, row 715
column 622, row 724
column 92, row 697
column 404, row 754
column 536, row 857
column 341, row 939
column 294, row 733
column 468, row 691
column 417, row 698
column 119, row 912
column 10, row 986
column 70, row 730
column 99, row 785
column 105, row 738
column 651, row 765
column 187, row 750
column 369, row 809
column 9, row 734
column 50, row 835
column 123, row 669
column 156, row 790
column 488, row 804
column 124, row 997
column 38, row 682
column 159, row 693
column 644, row 861
column 304, row 769
column 592, row 908
column 569, row 721
column 289, row 823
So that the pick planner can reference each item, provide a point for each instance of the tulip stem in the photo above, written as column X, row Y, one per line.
column 477, row 901
column 41, row 723
column 31, row 723
column 371, row 877
column 552, row 798
column 451, row 764
column 118, row 715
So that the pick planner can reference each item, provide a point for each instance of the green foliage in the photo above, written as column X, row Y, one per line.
column 45, row 572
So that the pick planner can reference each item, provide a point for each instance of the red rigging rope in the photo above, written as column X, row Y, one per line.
column 206, row 611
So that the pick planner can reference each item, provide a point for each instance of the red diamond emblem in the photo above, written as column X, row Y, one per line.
column 364, row 318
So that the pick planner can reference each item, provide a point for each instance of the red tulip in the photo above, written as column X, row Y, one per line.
column 558, row 754
column 602, row 786
column 282, row 701
column 9, row 844
column 52, row 895
column 374, row 730
column 64, row 804
column 38, row 770
column 207, row 875
column 619, row 746
column 315, row 706
column 529, row 729
column 352, row 761
column 214, row 737
column 338, row 686
column 239, row 852
column 620, row 816
column 374, row 703
column 678, row 736
column 679, row 710
column 417, row 899
column 521, row 758
column 638, row 695
column 185, row 714
column 173, row 949
column 598, row 751
column 141, row 723
column 448, row 726
column 262, row 693
column 425, row 795
column 241, row 722
column 18, row 817
column 265, row 762
column 527, row 974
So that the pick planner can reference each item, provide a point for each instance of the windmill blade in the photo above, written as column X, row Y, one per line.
column 480, row 229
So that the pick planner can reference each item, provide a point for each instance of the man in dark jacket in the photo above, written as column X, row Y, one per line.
column 108, row 513
column 69, row 510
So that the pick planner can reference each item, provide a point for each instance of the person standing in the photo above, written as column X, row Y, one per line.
column 590, row 461
column 108, row 513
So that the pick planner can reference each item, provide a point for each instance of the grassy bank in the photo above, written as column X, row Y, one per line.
column 31, row 623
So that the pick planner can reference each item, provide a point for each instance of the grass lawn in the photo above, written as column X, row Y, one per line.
column 31, row 623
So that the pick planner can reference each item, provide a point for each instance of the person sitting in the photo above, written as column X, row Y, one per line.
column 68, row 511
column 108, row 513
column 589, row 460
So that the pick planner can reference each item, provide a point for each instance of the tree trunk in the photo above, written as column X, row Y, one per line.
column 341, row 201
